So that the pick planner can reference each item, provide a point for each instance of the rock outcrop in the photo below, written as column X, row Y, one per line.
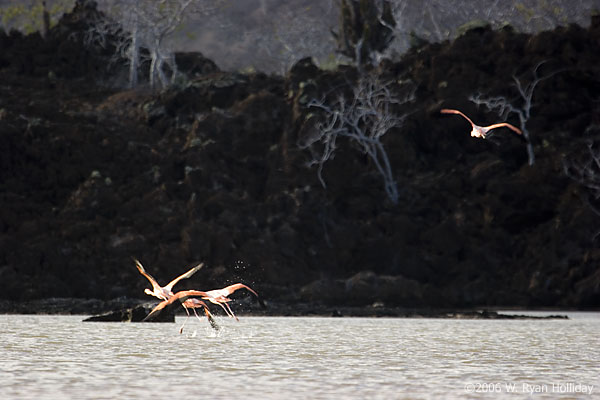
column 211, row 171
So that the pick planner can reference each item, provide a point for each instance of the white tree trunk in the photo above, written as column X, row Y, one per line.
column 153, row 66
column 134, row 56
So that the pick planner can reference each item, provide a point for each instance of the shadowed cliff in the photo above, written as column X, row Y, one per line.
column 211, row 171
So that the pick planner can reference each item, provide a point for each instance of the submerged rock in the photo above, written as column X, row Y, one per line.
column 135, row 314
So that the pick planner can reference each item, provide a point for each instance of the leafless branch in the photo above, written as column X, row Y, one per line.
column 586, row 172
column 504, row 107
column 363, row 119
column 132, row 25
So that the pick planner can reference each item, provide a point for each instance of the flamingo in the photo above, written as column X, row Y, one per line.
column 166, row 292
column 481, row 131
column 221, row 297
column 194, row 303
column 167, row 305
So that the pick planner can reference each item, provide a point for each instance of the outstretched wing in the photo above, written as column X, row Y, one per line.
column 188, row 274
column 504, row 125
column 172, row 302
column 140, row 268
column 452, row 111
column 226, row 291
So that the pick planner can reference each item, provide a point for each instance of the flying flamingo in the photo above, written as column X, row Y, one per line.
column 221, row 297
column 168, row 304
column 194, row 303
column 166, row 292
column 481, row 131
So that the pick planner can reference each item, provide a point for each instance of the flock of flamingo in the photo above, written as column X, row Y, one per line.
column 193, row 299
column 190, row 299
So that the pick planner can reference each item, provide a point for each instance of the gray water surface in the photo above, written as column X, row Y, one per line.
column 48, row 357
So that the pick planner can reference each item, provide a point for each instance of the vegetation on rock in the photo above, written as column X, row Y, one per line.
column 210, row 171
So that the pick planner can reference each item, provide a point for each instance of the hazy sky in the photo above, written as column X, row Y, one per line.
column 270, row 35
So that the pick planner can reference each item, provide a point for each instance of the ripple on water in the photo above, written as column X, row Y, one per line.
column 58, row 356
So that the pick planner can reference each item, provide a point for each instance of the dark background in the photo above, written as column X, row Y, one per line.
column 92, row 175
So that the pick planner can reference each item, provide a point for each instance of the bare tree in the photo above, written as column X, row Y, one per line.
column 131, row 25
column 366, row 27
column 45, row 20
column 155, row 21
column 32, row 15
column 107, row 32
column 586, row 172
column 364, row 119
column 439, row 20
column 504, row 107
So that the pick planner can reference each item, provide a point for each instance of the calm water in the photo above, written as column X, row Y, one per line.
column 43, row 357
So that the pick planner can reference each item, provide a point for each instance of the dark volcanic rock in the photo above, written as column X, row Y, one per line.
column 365, row 288
column 210, row 170
column 135, row 314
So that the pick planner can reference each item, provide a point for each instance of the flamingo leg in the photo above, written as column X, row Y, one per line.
column 228, row 312
column 211, row 319
column 196, row 314
column 186, row 318
column 231, row 312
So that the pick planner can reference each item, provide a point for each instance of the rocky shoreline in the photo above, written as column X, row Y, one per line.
column 122, row 310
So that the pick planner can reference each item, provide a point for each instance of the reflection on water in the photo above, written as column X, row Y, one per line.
column 298, row 358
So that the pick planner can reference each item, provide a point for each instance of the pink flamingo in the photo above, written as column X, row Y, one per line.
column 167, row 305
column 166, row 292
column 221, row 297
column 194, row 303
column 217, row 296
column 481, row 131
